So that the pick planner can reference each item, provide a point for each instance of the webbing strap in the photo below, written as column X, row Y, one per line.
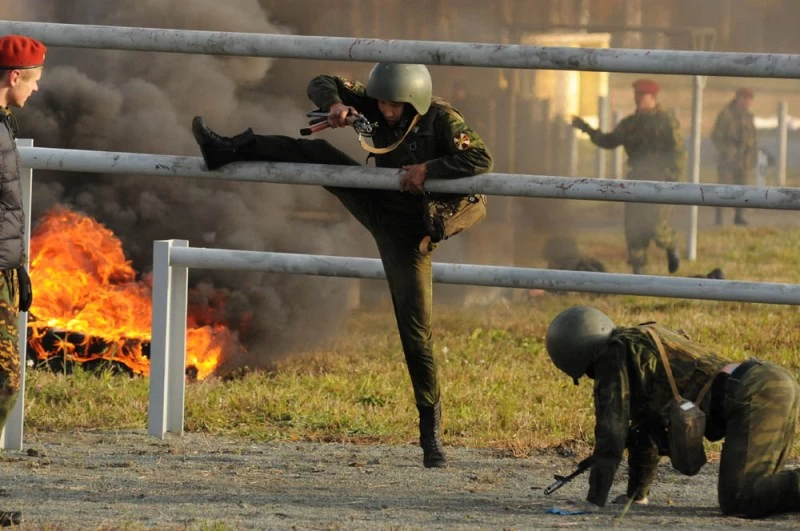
column 382, row 151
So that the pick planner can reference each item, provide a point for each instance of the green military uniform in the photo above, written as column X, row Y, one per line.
column 734, row 137
column 755, row 409
column 397, row 221
column 655, row 150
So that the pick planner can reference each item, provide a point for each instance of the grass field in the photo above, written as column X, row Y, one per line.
column 499, row 388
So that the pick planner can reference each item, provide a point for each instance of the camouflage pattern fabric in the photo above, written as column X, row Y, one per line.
column 9, row 344
column 631, row 389
column 645, row 223
column 734, row 137
column 761, row 415
column 653, row 143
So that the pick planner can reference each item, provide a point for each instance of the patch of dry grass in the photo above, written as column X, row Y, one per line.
column 500, row 389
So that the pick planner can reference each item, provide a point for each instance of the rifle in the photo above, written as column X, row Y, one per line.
column 560, row 481
column 319, row 121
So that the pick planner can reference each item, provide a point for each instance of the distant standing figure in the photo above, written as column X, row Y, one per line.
column 734, row 136
column 652, row 140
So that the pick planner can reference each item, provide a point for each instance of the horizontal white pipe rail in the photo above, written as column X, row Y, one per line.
column 387, row 179
column 173, row 258
column 497, row 276
column 403, row 51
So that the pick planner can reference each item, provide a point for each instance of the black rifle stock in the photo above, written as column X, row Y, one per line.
column 560, row 481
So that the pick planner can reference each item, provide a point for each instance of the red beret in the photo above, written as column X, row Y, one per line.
column 17, row 51
column 646, row 86
column 746, row 92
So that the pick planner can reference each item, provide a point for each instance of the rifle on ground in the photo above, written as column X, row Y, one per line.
column 319, row 121
column 560, row 481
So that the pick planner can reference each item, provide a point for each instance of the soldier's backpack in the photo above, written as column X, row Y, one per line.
column 686, row 425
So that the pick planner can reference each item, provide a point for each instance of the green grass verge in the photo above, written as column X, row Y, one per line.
column 499, row 388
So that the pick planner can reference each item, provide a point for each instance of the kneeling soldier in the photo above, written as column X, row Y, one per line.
column 753, row 405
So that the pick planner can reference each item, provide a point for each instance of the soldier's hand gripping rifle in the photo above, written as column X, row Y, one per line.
column 319, row 121
column 560, row 481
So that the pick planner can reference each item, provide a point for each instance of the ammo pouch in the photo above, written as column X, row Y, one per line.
column 447, row 215
column 686, row 424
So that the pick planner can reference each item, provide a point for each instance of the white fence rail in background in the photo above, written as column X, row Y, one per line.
column 387, row 179
column 405, row 51
column 173, row 258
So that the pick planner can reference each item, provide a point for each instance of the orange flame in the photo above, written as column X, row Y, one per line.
column 86, row 288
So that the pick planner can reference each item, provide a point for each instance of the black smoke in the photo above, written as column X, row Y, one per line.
column 144, row 102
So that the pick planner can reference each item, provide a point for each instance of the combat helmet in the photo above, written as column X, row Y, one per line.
column 405, row 83
column 574, row 336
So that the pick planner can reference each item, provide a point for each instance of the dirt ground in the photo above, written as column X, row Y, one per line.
column 129, row 480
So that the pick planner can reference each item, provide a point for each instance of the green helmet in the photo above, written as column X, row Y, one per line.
column 401, row 83
column 574, row 336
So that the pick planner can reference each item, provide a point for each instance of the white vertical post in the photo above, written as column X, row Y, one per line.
column 602, row 125
column 11, row 438
column 167, row 342
column 783, row 144
column 699, row 83
column 617, row 156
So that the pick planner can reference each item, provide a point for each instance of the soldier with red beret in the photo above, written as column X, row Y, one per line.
column 734, row 136
column 652, row 140
column 21, row 63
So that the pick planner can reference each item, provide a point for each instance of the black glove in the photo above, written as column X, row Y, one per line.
column 25, row 289
column 581, row 125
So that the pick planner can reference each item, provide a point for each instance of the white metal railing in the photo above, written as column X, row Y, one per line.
column 173, row 258
column 405, row 51
column 387, row 179
column 173, row 261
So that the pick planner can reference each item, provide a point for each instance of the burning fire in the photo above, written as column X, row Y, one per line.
column 89, row 305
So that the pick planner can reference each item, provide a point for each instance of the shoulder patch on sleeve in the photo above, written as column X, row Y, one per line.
column 462, row 141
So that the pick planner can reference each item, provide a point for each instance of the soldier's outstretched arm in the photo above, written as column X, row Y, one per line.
column 612, row 139
column 612, row 419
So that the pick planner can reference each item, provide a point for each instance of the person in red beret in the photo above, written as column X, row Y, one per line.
column 21, row 62
column 652, row 140
column 734, row 137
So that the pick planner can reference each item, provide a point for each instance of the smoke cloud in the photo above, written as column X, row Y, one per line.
column 144, row 102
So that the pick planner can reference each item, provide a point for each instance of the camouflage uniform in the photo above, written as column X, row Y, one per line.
column 397, row 221
column 734, row 137
column 11, row 257
column 653, row 143
column 755, row 409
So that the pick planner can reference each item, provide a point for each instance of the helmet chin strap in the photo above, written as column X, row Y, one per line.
column 382, row 151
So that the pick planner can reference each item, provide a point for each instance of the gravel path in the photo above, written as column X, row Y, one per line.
column 128, row 480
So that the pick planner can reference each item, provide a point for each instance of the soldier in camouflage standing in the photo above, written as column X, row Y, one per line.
column 651, row 138
column 21, row 64
column 427, row 139
column 734, row 136
column 754, row 405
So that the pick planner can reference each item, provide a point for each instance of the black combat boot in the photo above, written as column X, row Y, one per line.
column 430, row 436
column 673, row 260
column 219, row 150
